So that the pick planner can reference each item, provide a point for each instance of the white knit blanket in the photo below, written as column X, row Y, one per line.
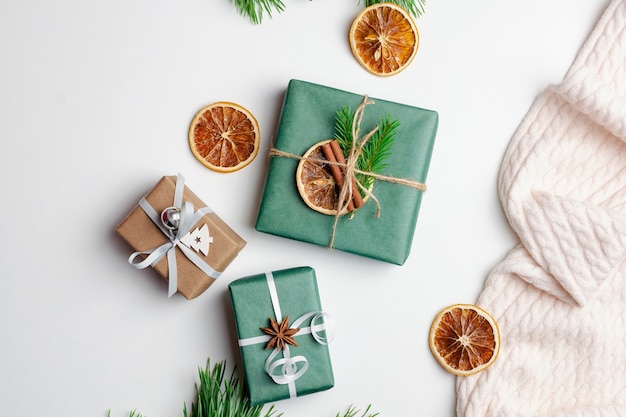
column 560, row 296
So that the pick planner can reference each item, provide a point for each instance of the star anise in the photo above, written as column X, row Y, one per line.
column 281, row 334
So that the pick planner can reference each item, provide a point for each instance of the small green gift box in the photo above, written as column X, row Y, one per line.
column 308, row 117
column 283, row 334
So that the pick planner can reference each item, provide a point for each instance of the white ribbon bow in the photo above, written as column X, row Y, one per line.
column 188, row 218
column 288, row 368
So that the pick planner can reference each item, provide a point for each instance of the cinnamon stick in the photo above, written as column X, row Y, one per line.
column 335, row 170
column 356, row 195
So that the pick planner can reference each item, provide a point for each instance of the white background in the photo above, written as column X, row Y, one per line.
column 95, row 102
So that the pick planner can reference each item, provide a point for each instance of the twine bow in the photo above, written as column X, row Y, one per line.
column 187, row 219
column 355, row 151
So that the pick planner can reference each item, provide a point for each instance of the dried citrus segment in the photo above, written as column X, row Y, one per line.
column 315, row 182
column 464, row 339
column 224, row 136
column 384, row 39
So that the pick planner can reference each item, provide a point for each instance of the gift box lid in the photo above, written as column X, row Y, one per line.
column 297, row 295
column 307, row 117
column 142, row 234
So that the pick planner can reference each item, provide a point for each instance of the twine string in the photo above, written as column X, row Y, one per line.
column 356, row 147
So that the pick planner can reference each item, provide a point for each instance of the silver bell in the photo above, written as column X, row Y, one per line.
column 170, row 217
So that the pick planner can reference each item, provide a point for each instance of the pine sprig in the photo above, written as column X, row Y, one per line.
column 343, row 127
column 219, row 396
column 131, row 414
column 352, row 412
column 254, row 9
column 376, row 150
column 414, row 7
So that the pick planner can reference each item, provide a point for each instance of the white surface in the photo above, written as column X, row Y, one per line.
column 96, row 99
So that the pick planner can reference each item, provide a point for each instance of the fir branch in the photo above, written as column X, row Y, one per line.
column 414, row 7
column 131, row 414
column 343, row 127
column 219, row 396
column 376, row 150
column 352, row 412
column 254, row 9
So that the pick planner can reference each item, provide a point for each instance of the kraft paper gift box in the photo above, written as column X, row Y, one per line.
column 293, row 294
column 307, row 117
column 194, row 258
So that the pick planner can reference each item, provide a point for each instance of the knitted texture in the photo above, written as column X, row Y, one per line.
column 560, row 295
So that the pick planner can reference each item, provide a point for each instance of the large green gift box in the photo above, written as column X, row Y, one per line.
column 286, row 296
column 307, row 117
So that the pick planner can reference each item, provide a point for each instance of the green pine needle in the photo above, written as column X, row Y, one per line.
column 352, row 412
column 131, row 414
column 376, row 150
column 414, row 7
column 343, row 127
column 221, row 396
column 254, row 9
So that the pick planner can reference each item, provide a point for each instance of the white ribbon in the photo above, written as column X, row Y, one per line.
column 288, row 368
column 188, row 218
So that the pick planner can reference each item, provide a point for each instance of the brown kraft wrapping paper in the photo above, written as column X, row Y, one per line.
column 142, row 234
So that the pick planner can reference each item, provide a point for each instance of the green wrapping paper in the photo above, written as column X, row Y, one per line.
column 297, row 295
column 307, row 117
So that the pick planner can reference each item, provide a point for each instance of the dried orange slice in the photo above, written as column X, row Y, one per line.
column 384, row 39
column 224, row 136
column 316, row 184
column 464, row 339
